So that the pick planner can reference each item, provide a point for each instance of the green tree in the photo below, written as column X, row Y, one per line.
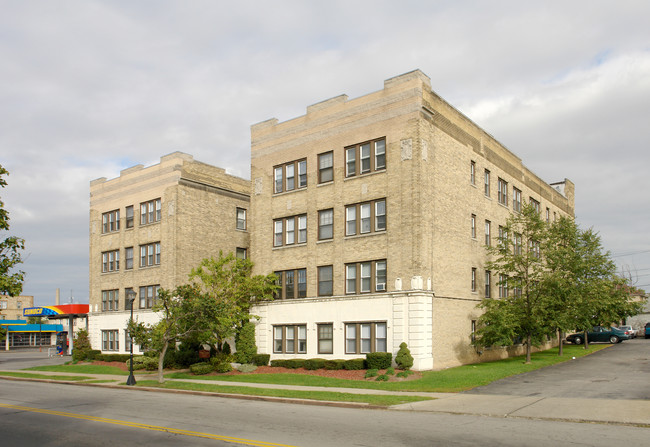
column 82, row 346
column 10, row 283
column 517, row 263
column 245, row 343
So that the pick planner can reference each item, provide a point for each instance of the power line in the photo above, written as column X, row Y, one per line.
column 631, row 253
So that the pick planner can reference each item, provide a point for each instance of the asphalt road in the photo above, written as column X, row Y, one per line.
column 42, row 415
column 621, row 371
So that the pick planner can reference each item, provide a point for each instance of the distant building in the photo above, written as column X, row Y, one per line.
column 11, row 307
column 374, row 213
column 148, row 228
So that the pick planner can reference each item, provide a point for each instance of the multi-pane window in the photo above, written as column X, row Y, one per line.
column 488, row 226
column 473, row 226
column 503, row 286
column 534, row 248
column 128, row 258
column 535, row 204
column 240, row 219
column 110, row 261
column 291, row 284
column 290, row 230
column 473, row 331
column 325, row 338
column 110, row 300
column 111, row 221
column 502, row 186
column 473, row 279
column 365, row 157
column 487, row 183
column 472, row 172
column 503, row 235
column 325, row 280
column 361, row 338
column 516, row 200
column 365, row 217
column 129, row 216
column 290, row 176
column 150, row 211
column 516, row 244
column 148, row 296
column 365, row 277
column 488, row 285
column 290, row 339
column 325, row 224
column 110, row 340
column 241, row 253
column 548, row 215
column 150, row 254
column 326, row 167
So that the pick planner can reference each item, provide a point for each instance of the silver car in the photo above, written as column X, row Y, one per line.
column 628, row 330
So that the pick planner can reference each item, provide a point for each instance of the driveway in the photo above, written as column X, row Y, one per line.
column 620, row 371
column 26, row 358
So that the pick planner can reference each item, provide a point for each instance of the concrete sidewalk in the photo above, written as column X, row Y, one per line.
column 611, row 411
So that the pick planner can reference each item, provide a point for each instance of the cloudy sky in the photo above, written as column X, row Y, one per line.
column 91, row 87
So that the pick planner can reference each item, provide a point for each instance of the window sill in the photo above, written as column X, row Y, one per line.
column 282, row 247
column 362, row 235
column 278, row 194
column 365, row 174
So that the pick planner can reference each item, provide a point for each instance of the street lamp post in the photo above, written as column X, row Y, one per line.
column 130, row 296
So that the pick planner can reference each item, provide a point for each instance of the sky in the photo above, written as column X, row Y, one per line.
column 89, row 88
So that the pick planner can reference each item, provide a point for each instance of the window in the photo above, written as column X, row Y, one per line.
column 290, row 339
column 534, row 248
column 548, row 215
column 19, row 304
column 325, row 338
column 325, row 281
column 110, row 261
column 150, row 212
column 128, row 258
column 111, row 221
column 129, row 216
column 473, row 224
column 290, row 230
column 110, row 300
column 3, row 304
column 110, row 340
column 148, row 296
column 365, row 217
column 365, row 157
column 290, row 176
column 150, row 254
column 488, row 224
column 240, row 253
column 292, row 284
column 326, row 167
column 503, row 286
column 473, row 279
column 361, row 338
column 502, row 192
column 128, row 294
column 473, row 331
column 535, row 204
column 503, row 236
column 516, row 200
column 488, row 286
column 325, row 224
column 487, row 183
column 365, row 277
column 127, row 340
column 472, row 172
column 241, row 219
column 516, row 244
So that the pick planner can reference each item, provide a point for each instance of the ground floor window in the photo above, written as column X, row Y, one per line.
column 326, row 338
column 110, row 340
column 30, row 339
column 361, row 338
column 290, row 339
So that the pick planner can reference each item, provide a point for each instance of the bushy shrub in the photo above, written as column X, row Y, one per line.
column 138, row 362
column 390, row 371
column 92, row 354
column 313, row 364
column 82, row 348
column 404, row 374
column 151, row 363
column 288, row 363
column 382, row 378
column 379, row 360
column 201, row 368
column 354, row 364
column 261, row 359
column 245, row 343
column 334, row 365
column 113, row 357
column 404, row 359
column 246, row 368
column 371, row 373
column 222, row 358
column 223, row 367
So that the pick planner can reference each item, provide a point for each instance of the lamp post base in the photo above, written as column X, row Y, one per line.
column 131, row 380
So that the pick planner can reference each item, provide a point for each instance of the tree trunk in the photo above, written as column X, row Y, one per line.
column 161, row 362
column 528, row 341
column 586, row 340
column 560, row 336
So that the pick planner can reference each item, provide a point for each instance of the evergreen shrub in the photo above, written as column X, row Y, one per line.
column 334, row 365
column 246, row 368
column 245, row 343
column 201, row 368
column 313, row 364
column 354, row 364
column 371, row 373
column 404, row 359
column 379, row 360
column 261, row 359
column 223, row 367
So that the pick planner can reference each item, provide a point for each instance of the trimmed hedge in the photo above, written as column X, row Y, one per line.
column 379, row 360
column 314, row 364
column 334, row 365
column 201, row 368
column 261, row 359
column 354, row 364
column 113, row 357
column 288, row 363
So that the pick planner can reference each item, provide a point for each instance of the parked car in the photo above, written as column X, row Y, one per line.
column 629, row 330
column 599, row 333
column 647, row 330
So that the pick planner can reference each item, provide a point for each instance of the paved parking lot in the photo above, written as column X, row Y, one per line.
column 26, row 358
column 620, row 371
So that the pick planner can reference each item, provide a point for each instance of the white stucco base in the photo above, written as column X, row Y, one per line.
column 102, row 321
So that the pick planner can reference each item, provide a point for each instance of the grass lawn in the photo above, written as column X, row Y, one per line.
column 450, row 380
column 43, row 376
column 381, row 400
column 82, row 369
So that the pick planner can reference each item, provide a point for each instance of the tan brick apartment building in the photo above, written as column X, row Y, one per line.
column 149, row 227
column 374, row 213
column 11, row 307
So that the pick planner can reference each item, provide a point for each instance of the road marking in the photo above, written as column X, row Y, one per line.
column 176, row 431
